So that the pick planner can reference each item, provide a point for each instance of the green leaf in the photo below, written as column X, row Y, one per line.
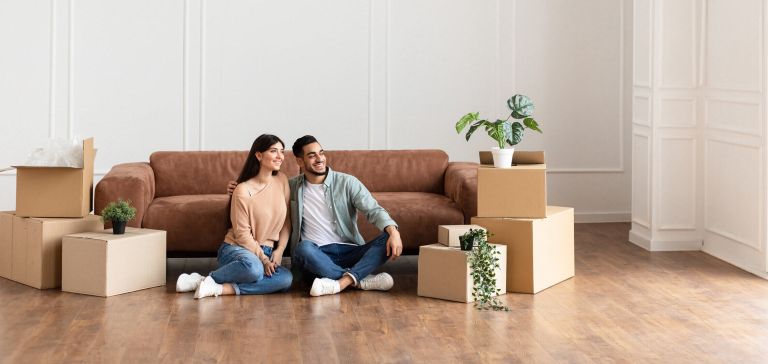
column 466, row 119
column 531, row 124
column 517, row 134
column 521, row 106
column 474, row 127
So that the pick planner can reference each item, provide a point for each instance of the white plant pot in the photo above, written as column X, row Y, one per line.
column 502, row 158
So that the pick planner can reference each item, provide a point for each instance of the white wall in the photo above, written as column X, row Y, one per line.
column 142, row 76
column 699, row 151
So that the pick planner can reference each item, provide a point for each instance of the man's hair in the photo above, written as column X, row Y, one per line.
column 298, row 145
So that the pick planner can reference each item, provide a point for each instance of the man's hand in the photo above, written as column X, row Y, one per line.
column 394, row 244
column 231, row 187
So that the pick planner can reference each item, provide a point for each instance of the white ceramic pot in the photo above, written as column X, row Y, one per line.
column 502, row 158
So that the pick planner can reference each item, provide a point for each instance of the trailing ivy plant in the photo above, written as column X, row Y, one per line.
column 503, row 131
column 120, row 210
column 483, row 262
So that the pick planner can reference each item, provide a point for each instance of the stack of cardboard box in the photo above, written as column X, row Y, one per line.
column 512, row 205
column 51, row 202
column 52, row 238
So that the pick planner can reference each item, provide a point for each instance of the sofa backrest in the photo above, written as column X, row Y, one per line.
column 207, row 172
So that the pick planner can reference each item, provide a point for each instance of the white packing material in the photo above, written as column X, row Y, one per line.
column 60, row 152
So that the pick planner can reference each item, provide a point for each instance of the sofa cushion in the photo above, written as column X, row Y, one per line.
column 207, row 172
column 393, row 170
column 195, row 223
column 418, row 214
column 199, row 173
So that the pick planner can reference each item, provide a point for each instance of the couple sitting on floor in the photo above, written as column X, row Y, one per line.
column 316, row 211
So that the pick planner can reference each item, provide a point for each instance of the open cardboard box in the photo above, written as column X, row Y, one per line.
column 517, row 191
column 56, row 191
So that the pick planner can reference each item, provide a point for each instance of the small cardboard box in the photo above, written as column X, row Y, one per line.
column 56, row 191
column 30, row 248
column 448, row 235
column 444, row 273
column 540, row 251
column 517, row 191
column 104, row 264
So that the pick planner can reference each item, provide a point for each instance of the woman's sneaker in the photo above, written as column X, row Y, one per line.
column 378, row 282
column 188, row 282
column 208, row 288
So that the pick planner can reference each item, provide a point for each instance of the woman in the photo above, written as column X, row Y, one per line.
column 259, row 226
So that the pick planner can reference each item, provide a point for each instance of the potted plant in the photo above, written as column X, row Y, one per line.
column 119, row 213
column 483, row 262
column 468, row 239
column 503, row 132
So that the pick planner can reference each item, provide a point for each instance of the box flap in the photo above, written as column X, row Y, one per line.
column 520, row 157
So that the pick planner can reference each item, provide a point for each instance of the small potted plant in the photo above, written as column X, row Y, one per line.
column 119, row 213
column 467, row 241
column 503, row 132
column 483, row 262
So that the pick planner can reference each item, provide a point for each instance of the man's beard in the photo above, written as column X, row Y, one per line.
column 312, row 171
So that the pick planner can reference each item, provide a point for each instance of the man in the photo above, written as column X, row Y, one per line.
column 325, row 240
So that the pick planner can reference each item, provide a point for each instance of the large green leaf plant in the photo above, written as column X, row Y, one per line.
column 503, row 132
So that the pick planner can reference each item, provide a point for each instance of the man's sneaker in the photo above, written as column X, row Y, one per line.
column 324, row 286
column 208, row 288
column 188, row 282
column 378, row 282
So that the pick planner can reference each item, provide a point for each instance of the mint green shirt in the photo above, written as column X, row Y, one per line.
column 345, row 195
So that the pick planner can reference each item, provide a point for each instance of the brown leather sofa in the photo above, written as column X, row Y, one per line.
column 184, row 193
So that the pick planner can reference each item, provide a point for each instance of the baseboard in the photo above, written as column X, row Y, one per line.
column 663, row 246
column 594, row 217
column 639, row 240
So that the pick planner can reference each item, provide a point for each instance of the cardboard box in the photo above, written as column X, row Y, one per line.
column 448, row 235
column 540, row 251
column 104, row 264
column 518, row 191
column 444, row 273
column 56, row 191
column 30, row 248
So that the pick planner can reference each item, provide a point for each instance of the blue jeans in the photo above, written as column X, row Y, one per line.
column 333, row 260
column 243, row 270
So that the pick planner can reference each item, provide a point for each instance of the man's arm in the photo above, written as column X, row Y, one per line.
column 378, row 216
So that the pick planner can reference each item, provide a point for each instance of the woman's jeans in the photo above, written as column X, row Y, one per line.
column 242, row 269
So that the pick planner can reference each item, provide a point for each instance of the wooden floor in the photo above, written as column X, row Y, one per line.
column 624, row 305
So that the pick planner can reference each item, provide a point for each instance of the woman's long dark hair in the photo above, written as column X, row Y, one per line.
column 252, row 165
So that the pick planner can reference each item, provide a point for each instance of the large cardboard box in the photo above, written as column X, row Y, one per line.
column 448, row 235
column 517, row 191
column 56, row 191
column 444, row 273
column 540, row 251
column 30, row 248
column 104, row 264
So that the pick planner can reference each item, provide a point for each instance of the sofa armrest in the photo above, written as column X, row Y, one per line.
column 129, row 181
column 461, row 187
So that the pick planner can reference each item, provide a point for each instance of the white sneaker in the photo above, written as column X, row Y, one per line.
column 379, row 282
column 188, row 282
column 208, row 288
column 324, row 286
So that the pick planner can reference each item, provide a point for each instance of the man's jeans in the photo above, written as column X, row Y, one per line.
column 333, row 260
column 243, row 270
